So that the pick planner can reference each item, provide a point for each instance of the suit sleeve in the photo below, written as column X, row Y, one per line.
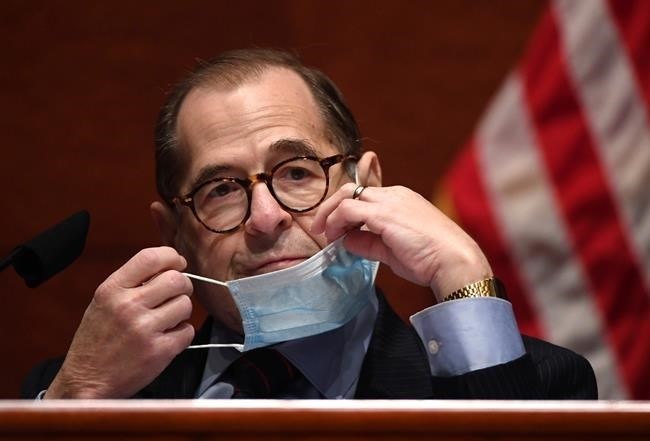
column 39, row 378
column 545, row 372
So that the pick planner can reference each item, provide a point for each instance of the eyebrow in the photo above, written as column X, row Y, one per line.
column 207, row 173
column 290, row 146
column 298, row 147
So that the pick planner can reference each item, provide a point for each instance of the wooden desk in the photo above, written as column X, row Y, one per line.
column 320, row 420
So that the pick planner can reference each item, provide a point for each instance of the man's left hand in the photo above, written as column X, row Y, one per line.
column 403, row 230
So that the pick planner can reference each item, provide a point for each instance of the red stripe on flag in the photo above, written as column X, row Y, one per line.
column 584, row 198
column 632, row 19
column 473, row 207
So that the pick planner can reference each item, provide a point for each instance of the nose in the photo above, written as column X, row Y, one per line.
column 267, row 217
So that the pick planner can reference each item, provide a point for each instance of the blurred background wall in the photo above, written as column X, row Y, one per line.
column 82, row 81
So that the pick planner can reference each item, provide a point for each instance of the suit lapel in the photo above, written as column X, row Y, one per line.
column 396, row 365
column 182, row 377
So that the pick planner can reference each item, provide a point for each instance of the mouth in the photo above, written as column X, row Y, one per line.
column 276, row 264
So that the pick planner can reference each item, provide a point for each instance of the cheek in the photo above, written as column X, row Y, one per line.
column 215, row 256
column 208, row 254
column 304, row 221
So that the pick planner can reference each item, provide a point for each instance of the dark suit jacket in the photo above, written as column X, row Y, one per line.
column 396, row 366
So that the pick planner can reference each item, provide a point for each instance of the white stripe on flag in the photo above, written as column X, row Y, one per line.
column 615, row 113
column 526, row 212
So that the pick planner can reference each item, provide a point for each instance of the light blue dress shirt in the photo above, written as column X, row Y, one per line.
column 459, row 335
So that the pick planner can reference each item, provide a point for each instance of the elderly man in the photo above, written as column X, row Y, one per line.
column 271, row 207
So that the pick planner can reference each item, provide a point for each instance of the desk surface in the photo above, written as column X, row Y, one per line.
column 304, row 419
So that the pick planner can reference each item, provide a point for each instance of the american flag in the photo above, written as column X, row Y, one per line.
column 555, row 186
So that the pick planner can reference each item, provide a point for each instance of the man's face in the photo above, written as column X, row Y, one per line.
column 236, row 133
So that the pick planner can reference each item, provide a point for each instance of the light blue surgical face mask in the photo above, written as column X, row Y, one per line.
column 318, row 295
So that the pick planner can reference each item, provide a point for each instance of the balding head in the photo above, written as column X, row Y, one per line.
column 229, row 70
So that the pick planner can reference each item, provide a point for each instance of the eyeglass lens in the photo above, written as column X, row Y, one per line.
column 299, row 185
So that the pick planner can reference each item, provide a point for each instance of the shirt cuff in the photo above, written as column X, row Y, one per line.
column 468, row 334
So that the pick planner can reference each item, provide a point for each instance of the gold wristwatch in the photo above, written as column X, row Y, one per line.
column 491, row 287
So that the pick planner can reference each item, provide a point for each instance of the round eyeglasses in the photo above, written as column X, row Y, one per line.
column 298, row 184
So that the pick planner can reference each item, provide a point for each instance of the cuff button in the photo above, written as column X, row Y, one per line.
column 434, row 347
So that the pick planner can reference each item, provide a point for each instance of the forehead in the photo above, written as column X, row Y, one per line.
column 237, row 127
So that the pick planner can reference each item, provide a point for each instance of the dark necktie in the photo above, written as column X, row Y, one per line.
column 260, row 373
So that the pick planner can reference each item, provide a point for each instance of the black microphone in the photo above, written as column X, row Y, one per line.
column 51, row 251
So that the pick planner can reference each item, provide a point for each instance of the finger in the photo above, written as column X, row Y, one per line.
column 367, row 245
column 163, row 287
column 178, row 338
column 332, row 203
column 171, row 313
column 349, row 215
column 146, row 264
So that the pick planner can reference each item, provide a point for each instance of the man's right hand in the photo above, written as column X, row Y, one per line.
column 132, row 329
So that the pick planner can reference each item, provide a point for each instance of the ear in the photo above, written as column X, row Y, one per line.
column 166, row 220
column 369, row 170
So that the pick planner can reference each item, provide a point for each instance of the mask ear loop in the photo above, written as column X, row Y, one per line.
column 356, row 170
column 237, row 346
column 205, row 279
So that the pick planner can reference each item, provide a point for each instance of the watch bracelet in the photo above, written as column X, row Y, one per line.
column 490, row 287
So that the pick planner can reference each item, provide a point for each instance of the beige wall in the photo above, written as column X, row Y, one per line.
column 82, row 82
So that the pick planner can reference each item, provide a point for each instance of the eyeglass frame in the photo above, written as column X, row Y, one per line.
column 267, row 178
